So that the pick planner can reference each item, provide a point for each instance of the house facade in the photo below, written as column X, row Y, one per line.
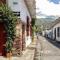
column 54, row 31
column 23, row 26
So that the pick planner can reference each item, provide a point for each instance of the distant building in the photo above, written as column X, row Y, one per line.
column 54, row 30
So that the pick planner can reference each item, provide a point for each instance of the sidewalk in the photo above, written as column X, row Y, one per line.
column 27, row 55
column 38, row 50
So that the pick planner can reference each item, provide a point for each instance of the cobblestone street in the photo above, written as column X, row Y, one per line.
column 47, row 49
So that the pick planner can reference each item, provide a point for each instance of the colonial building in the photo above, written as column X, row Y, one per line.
column 54, row 30
column 20, row 8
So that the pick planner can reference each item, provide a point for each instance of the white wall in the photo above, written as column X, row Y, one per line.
column 20, row 7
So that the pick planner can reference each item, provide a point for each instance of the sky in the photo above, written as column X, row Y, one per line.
column 47, row 8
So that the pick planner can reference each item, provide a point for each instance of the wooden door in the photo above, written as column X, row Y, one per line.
column 2, row 39
column 55, row 34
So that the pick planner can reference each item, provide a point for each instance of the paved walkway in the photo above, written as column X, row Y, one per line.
column 37, row 50
column 47, row 49
column 28, row 54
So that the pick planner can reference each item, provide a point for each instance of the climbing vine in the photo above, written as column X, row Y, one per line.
column 9, row 20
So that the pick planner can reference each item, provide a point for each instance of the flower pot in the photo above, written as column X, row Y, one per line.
column 9, row 54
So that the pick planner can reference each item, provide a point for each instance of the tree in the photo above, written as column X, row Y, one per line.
column 33, row 27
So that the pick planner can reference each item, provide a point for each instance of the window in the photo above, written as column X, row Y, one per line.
column 16, row 13
column 55, row 33
column 15, row 3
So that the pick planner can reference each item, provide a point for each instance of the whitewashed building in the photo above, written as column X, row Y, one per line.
column 19, row 8
column 54, row 31
column 22, row 9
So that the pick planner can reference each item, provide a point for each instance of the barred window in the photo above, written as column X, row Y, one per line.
column 16, row 13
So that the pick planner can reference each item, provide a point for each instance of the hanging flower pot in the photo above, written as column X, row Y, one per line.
column 9, row 48
column 9, row 54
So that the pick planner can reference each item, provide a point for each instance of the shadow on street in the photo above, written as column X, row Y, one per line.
column 55, row 43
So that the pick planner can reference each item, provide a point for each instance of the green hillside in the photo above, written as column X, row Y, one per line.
column 43, row 22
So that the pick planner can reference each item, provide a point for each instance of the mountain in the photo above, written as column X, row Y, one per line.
column 45, row 22
column 40, row 21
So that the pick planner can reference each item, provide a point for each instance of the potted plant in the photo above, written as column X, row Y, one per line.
column 33, row 25
column 9, row 48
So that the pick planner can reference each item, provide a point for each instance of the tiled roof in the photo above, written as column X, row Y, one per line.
column 54, row 23
column 31, row 5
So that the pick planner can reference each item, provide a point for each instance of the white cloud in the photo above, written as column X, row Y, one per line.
column 48, row 8
column 41, row 16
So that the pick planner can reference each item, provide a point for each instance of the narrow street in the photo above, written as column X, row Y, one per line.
column 47, row 49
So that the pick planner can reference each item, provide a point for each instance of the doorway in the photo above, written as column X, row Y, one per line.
column 2, row 39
